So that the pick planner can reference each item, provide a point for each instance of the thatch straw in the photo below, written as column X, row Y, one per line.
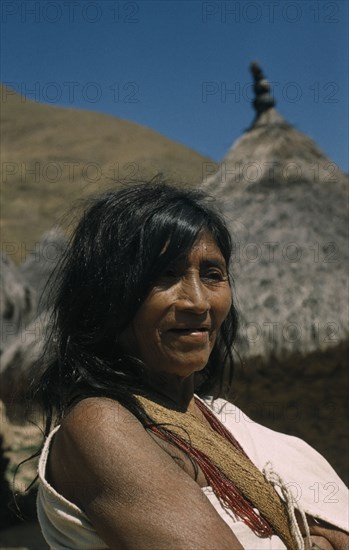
column 40, row 264
column 287, row 206
column 25, row 295
column 18, row 301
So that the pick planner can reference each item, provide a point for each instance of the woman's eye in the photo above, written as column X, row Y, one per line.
column 214, row 275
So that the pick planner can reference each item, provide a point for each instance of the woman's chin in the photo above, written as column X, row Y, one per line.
column 187, row 368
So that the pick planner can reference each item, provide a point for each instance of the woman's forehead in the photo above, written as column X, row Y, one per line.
column 205, row 242
column 204, row 247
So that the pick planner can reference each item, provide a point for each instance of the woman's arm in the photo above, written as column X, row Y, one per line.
column 325, row 535
column 337, row 539
column 133, row 492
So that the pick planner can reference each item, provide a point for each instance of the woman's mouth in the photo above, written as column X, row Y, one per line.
column 200, row 334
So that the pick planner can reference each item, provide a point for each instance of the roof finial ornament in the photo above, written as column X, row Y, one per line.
column 263, row 98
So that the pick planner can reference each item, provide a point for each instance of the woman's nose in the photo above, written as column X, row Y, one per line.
column 192, row 295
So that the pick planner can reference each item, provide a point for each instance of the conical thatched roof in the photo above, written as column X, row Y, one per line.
column 271, row 153
column 287, row 205
column 19, row 363
column 25, row 315
column 18, row 301
column 40, row 264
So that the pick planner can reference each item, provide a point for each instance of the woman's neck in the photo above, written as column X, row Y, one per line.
column 172, row 389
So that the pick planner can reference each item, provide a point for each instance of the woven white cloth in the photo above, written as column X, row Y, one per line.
column 314, row 483
column 316, row 487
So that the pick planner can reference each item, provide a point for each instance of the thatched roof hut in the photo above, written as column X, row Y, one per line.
column 19, row 363
column 38, row 267
column 18, row 301
column 287, row 204
column 23, row 285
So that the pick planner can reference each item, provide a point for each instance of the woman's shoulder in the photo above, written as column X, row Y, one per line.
column 92, row 412
column 95, row 422
column 103, row 460
column 95, row 429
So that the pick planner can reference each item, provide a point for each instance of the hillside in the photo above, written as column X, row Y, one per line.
column 51, row 156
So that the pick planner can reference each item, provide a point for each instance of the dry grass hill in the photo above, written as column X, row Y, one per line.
column 51, row 156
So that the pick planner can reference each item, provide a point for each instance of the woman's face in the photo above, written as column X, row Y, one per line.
column 176, row 327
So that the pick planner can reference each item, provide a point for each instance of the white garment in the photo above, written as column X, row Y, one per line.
column 315, row 485
column 317, row 489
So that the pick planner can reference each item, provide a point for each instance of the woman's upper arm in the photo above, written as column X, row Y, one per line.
column 132, row 491
column 337, row 539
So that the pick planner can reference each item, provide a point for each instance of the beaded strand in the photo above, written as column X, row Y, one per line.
column 223, row 488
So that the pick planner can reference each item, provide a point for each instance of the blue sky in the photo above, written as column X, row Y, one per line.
column 181, row 67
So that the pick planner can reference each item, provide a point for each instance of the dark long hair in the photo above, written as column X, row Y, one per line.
column 123, row 242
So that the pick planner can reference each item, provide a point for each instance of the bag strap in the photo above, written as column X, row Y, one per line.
column 229, row 459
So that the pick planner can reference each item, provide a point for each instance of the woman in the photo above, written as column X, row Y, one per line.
column 143, row 320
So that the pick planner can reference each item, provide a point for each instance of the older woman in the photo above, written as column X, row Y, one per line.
column 144, row 324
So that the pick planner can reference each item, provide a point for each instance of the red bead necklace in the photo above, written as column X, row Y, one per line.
column 224, row 489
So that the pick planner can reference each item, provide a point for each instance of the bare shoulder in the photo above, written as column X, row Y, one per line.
column 94, row 412
column 99, row 421
column 95, row 439
column 132, row 491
